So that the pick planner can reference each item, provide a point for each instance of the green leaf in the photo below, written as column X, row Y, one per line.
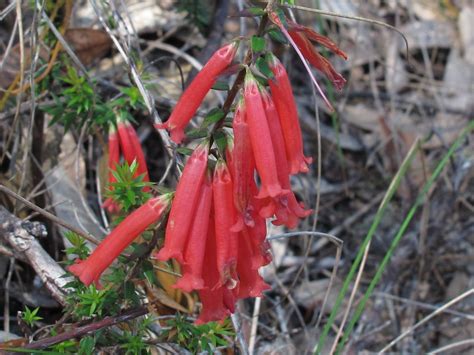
column 185, row 151
column 196, row 133
column 221, row 141
column 263, row 67
column 256, row 11
column 215, row 115
column 276, row 35
column 220, row 86
column 257, row 44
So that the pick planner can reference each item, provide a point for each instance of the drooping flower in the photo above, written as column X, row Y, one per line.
column 89, row 270
column 225, row 216
column 243, row 168
column 318, row 38
column 286, row 208
column 214, row 297
column 114, row 158
column 261, row 140
column 192, row 97
column 131, row 148
column 196, row 245
column 316, row 59
column 184, row 205
column 288, row 114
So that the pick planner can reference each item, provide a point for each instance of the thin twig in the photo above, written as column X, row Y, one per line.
column 428, row 318
column 49, row 215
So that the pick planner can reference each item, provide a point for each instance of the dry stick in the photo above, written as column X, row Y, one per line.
column 428, row 318
column 452, row 346
column 81, row 331
column 49, row 215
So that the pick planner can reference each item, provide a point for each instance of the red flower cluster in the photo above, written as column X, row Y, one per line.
column 222, row 220
column 124, row 139
column 202, row 226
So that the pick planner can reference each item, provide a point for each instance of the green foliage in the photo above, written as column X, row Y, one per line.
column 128, row 190
column 89, row 302
column 30, row 317
column 199, row 12
column 198, row 338
column 79, row 246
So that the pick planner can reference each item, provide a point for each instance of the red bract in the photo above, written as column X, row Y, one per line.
column 224, row 213
column 109, row 249
column 184, row 205
column 317, row 60
column 261, row 140
column 286, row 107
column 196, row 245
column 114, row 158
column 286, row 208
column 192, row 97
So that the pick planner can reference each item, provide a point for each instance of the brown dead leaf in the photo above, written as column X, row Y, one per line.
column 158, row 297
column 89, row 44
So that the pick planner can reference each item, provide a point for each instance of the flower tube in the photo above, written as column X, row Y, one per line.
column 109, row 249
column 224, row 213
column 286, row 208
column 261, row 140
column 184, row 205
column 193, row 96
column 139, row 155
column 114, row 158
column 288, row 114
column 317, row 60
column 196, row 245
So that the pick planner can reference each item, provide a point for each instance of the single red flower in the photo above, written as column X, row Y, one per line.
column 251, row 283
column 142, row 168
column 109, row 249
column 225, row 217
column 193, row 96
column 114, row 159
column 184, row 205
column 242, row 165
column 261, row 140
column 287, row 112
column 215, row 304
column 317, row 60
column 285, row 207
column 132, row 149
column 318, row 38
column 196, row 245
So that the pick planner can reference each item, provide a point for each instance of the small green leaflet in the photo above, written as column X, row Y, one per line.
column 220, row 86
column 213, row 116
column 263, row 67
column 257, row 44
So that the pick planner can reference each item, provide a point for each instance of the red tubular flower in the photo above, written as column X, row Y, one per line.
column 286, row 207
column 109, row 249
column 139, row 155
column 184, row 205
column 251, row 283
column 114, row 158
column 317, row 60
column 196, row 245
column 261, row 140
column 192, row 97
column 285, row 104
column 243, row 168
column 318, row 38
column 224, row 212
column 214, row 306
